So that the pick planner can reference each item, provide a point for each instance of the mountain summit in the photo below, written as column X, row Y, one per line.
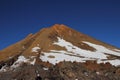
column 55, row 48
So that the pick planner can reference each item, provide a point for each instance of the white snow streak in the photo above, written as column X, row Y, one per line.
column 102, row 49
column 59, row 57
column 117, row 50
column 115, row 62
column 45, row 69
column 77, row 54
column 22, row 59
column 79, row 51
column 33, row 62
column 3, row 69
column 35, row 49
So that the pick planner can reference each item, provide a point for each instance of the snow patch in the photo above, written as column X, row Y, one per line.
column 3, row 69
column 35, row 49
column 98, row 73
column 78, row 51
column 33, row 62
column 77, row 54
column 115, row 62
column 22, row 59
column 61, row 56
column 102, row 49
column 38, row 75
column 117, row 50
column 45, row 68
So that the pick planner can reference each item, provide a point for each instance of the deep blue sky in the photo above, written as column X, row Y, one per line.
column 97, row 18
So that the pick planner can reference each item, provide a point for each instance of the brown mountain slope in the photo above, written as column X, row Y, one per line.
column 44, row 39
column 60, row 53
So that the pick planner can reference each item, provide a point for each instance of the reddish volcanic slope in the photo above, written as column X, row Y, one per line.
column 46, row 40
column 63, row 52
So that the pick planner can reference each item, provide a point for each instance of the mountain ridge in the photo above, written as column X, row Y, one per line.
column 59, row 53
column 51, row 33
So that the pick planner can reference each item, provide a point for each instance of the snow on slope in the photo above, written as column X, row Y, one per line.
column 59, row 56
column 101, row 49
column 117, row 50
column 20, row 60
column 35, row 49
column 74, row 53
column 115, row 62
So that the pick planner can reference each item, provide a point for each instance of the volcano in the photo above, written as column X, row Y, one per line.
column 59, row 53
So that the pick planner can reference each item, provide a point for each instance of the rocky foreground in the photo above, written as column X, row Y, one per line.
column 63, row 71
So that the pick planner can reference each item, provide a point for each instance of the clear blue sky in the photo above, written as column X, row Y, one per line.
column 97, row 18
